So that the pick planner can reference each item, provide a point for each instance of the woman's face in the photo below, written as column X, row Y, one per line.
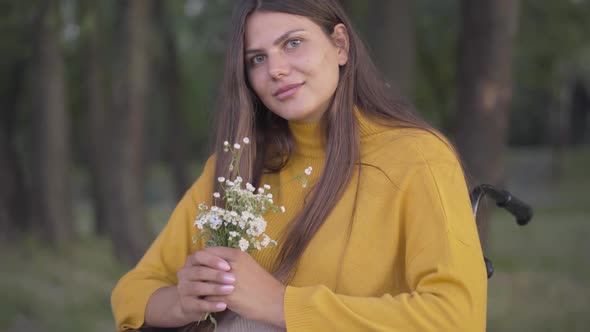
column 292, row 65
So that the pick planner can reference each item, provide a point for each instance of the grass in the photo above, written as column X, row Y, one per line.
column 49, row 291
column 541, row 283
column 542, row 278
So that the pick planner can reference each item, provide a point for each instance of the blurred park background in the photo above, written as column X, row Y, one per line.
column 106, row 111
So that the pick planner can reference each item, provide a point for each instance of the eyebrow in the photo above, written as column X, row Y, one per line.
column 277, row 41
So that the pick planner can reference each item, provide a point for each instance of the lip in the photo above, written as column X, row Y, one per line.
column 286, row 91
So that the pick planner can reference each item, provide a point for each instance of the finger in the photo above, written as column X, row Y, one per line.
column 199, row 306
column 202, row 257
column 203, row 273
column 228, row 254
column 215, row 298
column 206, row 289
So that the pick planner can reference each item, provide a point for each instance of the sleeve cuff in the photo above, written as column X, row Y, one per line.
column 129, row 310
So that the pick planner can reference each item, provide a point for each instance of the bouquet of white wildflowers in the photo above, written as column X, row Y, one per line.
column 240, row 224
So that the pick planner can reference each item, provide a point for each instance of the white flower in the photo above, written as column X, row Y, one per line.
column 221, row 179
column 261, row 190
column 244, row 244
column 199, row 222
column 246, row 140
column 266, row 241
column 214, row 208
column 271, row 201
column 283, row 209
column 266, row 186
column 247, row 215
column 229, row 183
column 250, row 187
column 215, row 221
column 226, row 143
column 269, row 195
column 216, row 195
column 239, row 179
column 237, row 146
column 308, row 170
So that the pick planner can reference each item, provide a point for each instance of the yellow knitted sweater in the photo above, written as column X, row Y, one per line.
column 410, row 261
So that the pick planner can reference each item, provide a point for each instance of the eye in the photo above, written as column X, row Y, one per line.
column 257, row 59
column 293, row 43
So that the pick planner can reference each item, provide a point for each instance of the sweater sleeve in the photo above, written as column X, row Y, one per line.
column 163, row 259
column 445, row 274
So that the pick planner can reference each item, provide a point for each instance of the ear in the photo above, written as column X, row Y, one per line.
column 341, row 40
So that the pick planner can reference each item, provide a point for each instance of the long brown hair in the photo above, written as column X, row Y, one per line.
column 242, row 114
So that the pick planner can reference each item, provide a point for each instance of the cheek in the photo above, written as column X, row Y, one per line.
column 257, row 83
column 328, row 73
column 323, row 66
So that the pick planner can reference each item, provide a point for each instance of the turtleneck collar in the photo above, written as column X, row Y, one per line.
column 309, row 139
column 366, row 126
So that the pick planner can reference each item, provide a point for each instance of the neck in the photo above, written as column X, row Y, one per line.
column 309, row 139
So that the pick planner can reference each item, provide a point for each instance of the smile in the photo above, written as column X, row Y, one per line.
column 287, row 91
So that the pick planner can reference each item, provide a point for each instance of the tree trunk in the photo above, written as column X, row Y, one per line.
column 98, row 133
column 484, row 69
column 13, row 194
column 177, row 150
column 51, row 170
column 392, row 40
column 130, row 229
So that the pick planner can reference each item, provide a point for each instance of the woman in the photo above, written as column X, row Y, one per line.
column 383, row 238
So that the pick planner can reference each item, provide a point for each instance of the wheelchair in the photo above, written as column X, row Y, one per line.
column 521, row 211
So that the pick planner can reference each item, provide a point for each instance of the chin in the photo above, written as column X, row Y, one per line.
column 297, row 117
column 296, row 114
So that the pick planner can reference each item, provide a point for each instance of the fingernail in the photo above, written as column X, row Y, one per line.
column 224, row 266
column 221, row 306
column 229, row 278
column 227, row 288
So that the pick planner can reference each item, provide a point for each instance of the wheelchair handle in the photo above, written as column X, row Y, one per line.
column 504, row 199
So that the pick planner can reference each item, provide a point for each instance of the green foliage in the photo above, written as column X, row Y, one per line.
column 436, row 33
column 551, row 48
column 202, row 41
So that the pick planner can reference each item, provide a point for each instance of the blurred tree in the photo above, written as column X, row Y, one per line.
column 436, row 58
column 392, row 39
column 14, row 198
column 579, row 109
column 97, row 117
column 130, row 229
column 551, row 50
column 173, row 85
column 484, row 74
column 358, row 12
column 51, row 169
column 202, row 41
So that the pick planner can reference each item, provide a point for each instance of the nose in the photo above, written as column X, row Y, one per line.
column 278, row 66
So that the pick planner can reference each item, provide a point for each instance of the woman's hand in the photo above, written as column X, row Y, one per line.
column 203, row 275
column 257, row 294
